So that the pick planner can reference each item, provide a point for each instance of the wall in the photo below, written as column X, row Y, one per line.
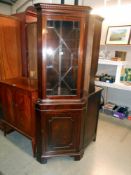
column 5, row 9
column 114, row 14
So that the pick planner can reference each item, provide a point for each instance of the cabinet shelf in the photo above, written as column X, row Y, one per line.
column 110, row 62
column 119, row 65
column 120, row 85
column 112, row 45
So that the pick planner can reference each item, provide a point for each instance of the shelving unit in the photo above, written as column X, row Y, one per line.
column 110, row 62
column 113, row 85
column 112, row 45
column 119, row 65
column 117, row 84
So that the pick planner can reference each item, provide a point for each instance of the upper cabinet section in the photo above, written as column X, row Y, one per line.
column 62, row 46
column 10, row 47
column 62, row 39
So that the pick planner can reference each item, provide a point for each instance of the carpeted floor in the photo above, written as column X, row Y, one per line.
column 109, row 155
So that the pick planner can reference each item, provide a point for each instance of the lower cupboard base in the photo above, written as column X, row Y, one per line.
column 44, row 159
column 66, row 129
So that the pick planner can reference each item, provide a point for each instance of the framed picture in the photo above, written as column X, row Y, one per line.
column 118, row 34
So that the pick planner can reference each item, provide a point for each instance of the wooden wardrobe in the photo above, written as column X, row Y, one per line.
column 10, row 48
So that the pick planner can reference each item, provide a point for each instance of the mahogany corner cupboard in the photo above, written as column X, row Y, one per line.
column 59, row 110
column 65, row 44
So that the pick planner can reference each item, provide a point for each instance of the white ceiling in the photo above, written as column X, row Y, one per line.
column 100, row 3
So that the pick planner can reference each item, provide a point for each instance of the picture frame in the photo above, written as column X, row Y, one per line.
column 118, row 34
column 130, row 40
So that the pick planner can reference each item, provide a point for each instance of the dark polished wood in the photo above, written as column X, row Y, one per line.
column 95, row 30
column 91, row 116
column 17, row 101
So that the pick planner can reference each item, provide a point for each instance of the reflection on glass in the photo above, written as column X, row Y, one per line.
column 62, row 57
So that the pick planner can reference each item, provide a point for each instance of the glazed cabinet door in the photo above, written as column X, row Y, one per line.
column 63, row 58
column 60, row 131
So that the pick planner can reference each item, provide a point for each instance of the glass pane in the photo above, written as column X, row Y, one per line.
column 62, row 57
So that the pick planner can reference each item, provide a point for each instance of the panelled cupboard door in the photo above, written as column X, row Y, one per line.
column 22, row 105
column 61, row 131
column 8, row 105
column 0, row 68
column 1, row 102
column 10, row 47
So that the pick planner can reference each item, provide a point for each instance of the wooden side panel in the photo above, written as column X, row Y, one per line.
column 2, row 109
column 93, row 44
column 1, row 102
column 95, row 54
column 91, row 117
column 10, row 47
column 32, row 49
column 0, row 65
column 8, row 105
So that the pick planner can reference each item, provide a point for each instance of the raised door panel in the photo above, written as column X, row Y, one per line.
column 2, row 74
column 1, row 107
column 8, row 105
column 10, row 47
column 1, row 102
column 61, row 131
column 0, row 70
column 22, row 107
